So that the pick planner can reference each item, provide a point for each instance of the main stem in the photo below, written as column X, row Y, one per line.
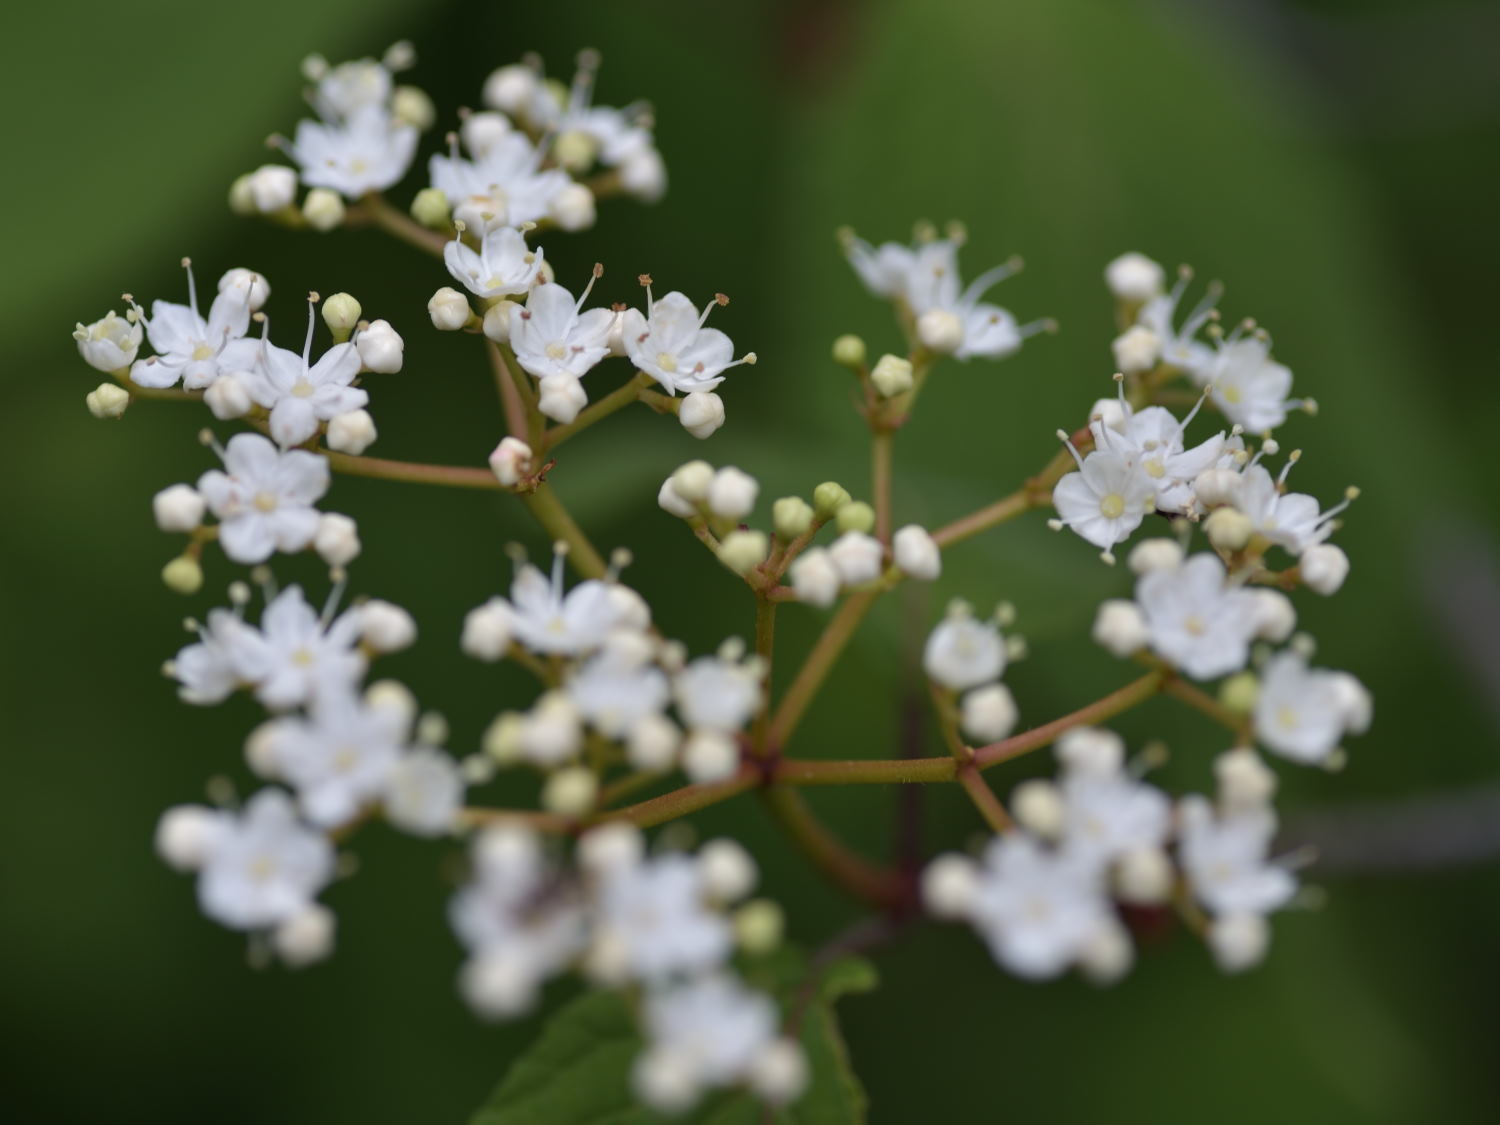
column 881, row 443
column 548, row 511
column 816, row 667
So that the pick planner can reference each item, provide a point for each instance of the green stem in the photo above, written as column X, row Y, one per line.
column 765, row 648
column 412, row 472
column 881, row 442
column 1035, row 493
column 374, row 209
column 681, row 802
column 516, row 414
column 548, row 511
column 984, row 799
column 819, row 663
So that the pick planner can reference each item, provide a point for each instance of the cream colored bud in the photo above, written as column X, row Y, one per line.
column 1144, row 876
column 941, row 331
column 917, row 554
column 573, row 208
column 949, row 885
column 828, row 498
column 306, row 937
column 411, row 106
column 710, row 755
column 575, row 150
column 431, row 209
column 1275, row 617
column 816, row 578
column 497, row 320
column 341, row 313
column 849, row 351
column 241, row 198
column 1245, row 781
column 177, row 508
column 1323, row 568
column 743, row 551
column 731, row 493
column 227, row 397
column 483, row 131
column 759, row 926
column 502, row 738
column 183, row 575
column 1120, row 627
column 791, row 516
column 1134, row 278
column 988, row 713
column 352, row 433
column 1136, row 350
column 1214, row 488
column 1155, row 554
column 892, row 375
column 668, row 500
column 570, row 791
column 488, row 630
column 652, row 743
column 726, row 870
column 449, row 310
column 1228, row 529
column 510, row 461
column 1239, row 941
column 1108, row 954
column 386, row 627
column 323, row 209
column 337, row 539
column 1239, row 692
column 107, row 400
column 273, row 187
column 701, row 413
column 1038, row 805
column 380, row 348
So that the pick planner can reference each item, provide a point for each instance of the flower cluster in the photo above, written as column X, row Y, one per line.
column 624, row 729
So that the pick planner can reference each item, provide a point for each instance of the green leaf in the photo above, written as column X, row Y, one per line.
column 578, row 1070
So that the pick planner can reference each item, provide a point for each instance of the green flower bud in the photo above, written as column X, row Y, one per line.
column 341, row 313
column 856, row 516
column 792, row 516
column 828, row 498
column 743, row 551
column 849, row 351
column 892, row 375
column 430, row 208
column 758, row 926
column 183, row 575
column 1239, row 691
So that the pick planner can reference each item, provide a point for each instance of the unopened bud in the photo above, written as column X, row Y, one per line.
column 183, row 575
column 430, row 208
column 510, row 461
column 941, row 331
column 828, row 498
column 849, row 351
column 353, row 432
column 892, row 375
column 701, row 413
column 323, row 209
column 1228, row 529
column 791, row 516
column 855, row 516
column 743, row 551
column 341, row 313
column 337, row 539
column 449, row 310
column 107, row 400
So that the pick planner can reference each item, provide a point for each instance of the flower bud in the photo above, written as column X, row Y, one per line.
column 1239, row 941
column 109, row 344
column 341, row 313
column 183, row 575
column 575, row 150
column 510, row 461
column 1110, row 412
column 1144, row 876
column 855, row 516
column 791, row 516
column 573, row 208
column 916, row 553
column 1323, row 568
column 227, row 397
column 1107, row 954
column 272, row 187
column 570, row 791
column 241, row 200
column 337, row 539
column 1136, row 350
column 107, row 400
column 988, row 713
column 1037, row 805
column 430, row 208
column 497, row 320
column 610, row 848
column 323, row 209
column 701, row 413
column 306, row 937
column 177, row 508
column 394, row 698
column 949, row 886
column 857, row 557
column 759, row 926
column 892, row 375
column 816, row 578
column 353, row 432
column 725, row 870
column 386, row 627
column 1275, row 618
column 1120, row 627
column 449, row 310
column 710, row 755
column 670, row 501
column 779, row 1073
column 644, row 176
column 1134, row 278
column 941, row 331
column 1215, row 488
column 262, row 753
column 1245, row 781
column 1155, row 554
column 380, row 348
column 482, row 132
column 849, row 351
column 251, row 286
column 828, row 498
column 1239, row 692
column 501, row 740
column 1092, row 750
column 731, row 493
column 186, row 836
column 411, row 106
column 511, row 89
column 551, row 732
column 652, row 743
column 1228, row 529
column 488, row 630
column 743, row 551
column 561, row 396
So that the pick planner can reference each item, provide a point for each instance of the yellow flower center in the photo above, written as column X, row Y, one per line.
column 265, row 501
column 1112, row 507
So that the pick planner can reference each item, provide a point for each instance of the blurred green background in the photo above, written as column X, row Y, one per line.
column 1334, row 162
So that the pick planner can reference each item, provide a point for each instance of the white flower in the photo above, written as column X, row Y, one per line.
column 672, row 346
column 266, row 868
column 385, row 627
column 654, row 921
column 1179, row 346
column 1248, row 386
column 349, row 87
column 264, row 498
column 917, row 555
column 190, row 349
column 186, row 835
column 703, row 1033
column 367, row 151
column 547, row 620
column 552, row 336
column 424, row 793
column 1224, row 858
column 306, row 658
column 1107, row 815
column 502, row 266
column 502, row 186
column 618, row 688
column 1301, row 712
column 228, row 653
column 1155, row 440
column 1293, row 520
column 339, row 759
column 1106, row 499
column 1039, row 909
column 816, row 578
column 380, row 348
column 718, row 694
column 109, row 344
column 859, row 558
column 731, row 493
column 964, row 652
column 299, row 393
column 1198, row 622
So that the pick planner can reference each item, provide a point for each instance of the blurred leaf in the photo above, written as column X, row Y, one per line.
column 578, row 1070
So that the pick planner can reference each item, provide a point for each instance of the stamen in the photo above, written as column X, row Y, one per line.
column 335, row 595
column 312, row 299
column 645, row 280
column 1291, row 459
column 559, row 557
column 1046, row 324
column 990, row 278
column 1062, row 436
column 589, row 288
column 582, row 90
column 187, row 264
